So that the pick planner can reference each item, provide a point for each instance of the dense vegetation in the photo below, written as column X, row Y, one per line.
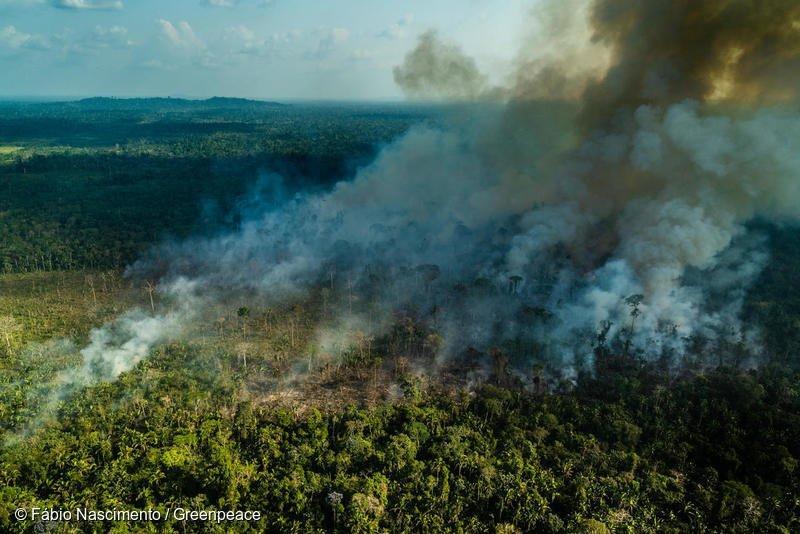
column 367, row 445
column 91, row 184
column 714, row 453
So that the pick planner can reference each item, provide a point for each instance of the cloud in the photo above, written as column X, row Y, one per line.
column 338, row 35
column 243, row 40
column 100, row 38
column 12, row 38
column 110, row 37
column 182, row 39
column 156, row 64
column 87, row 4
column 361, row 54
column 242, row 33
column 180, row 36
column 398, row 29
column 330, row 39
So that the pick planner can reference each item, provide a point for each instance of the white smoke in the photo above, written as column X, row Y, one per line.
column 580, row 253
column 630, row 224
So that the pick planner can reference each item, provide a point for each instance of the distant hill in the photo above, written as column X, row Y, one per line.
column 171, row 104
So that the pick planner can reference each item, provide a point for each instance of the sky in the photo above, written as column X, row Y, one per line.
column 269, row 49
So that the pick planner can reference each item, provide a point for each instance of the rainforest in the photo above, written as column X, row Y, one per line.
column 562, row 300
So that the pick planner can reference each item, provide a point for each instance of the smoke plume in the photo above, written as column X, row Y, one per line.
column 603, row 201
column 666, row 52
column 438, row 70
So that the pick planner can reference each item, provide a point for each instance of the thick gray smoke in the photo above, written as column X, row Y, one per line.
column 437, row 70
column 616, row 215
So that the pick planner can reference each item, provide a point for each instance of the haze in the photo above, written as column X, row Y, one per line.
column 276, row 49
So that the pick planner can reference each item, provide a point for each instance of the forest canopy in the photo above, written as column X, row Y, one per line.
column 357, row 436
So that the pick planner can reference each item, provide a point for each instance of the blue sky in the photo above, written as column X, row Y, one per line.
column 282, row 49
